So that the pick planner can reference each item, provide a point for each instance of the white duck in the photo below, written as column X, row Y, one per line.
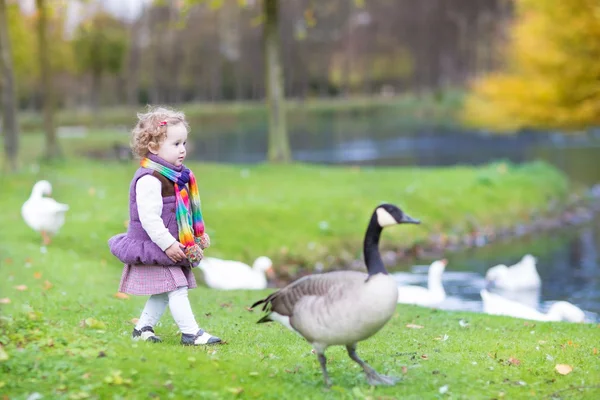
column 231, row 275
column 44, row 214
column 342, row 308
column 520, row 276
column 433, row 294
column 559, row 311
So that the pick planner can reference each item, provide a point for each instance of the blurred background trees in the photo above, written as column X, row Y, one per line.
column 550, row 75
column 523, row 63
column 185, row 51
column 7, row 88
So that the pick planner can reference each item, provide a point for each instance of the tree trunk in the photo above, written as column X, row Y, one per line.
column 52, row 149
column 10, row 128
column 279, row 147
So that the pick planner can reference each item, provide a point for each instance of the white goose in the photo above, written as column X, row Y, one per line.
column 433, row 294
column 342, row 307
column 232, row 275
column 44, row 214
column 520, row 276
column 559, row 311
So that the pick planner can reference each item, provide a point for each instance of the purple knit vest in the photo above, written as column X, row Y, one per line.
column 135, row 246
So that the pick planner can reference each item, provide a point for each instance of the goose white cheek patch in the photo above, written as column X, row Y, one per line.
column 384, row 218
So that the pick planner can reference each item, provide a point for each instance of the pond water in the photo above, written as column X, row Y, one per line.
column 568, row 260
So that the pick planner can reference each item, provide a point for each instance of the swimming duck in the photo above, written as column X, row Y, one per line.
column 559, row 311
column 231, row 275
column 44, row 214
column 431, row 295
column 520, row 276
column 342, row 307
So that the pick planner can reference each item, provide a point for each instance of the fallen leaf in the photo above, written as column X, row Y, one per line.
column 37, row 275
column 92, row 191
column 514, row 361
column 47, row 285
column 134, row 321
column 425, row 357
column 249, row 309
column 414, row 326
column 94, row 323
column 563, row 369
column 8, row 261
column 235, row 391
column 120, row 295
column 595, row 349
column 404, row 370
column 21, row 287
column 6, row 300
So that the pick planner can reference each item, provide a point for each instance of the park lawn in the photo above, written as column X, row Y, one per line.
column 65, row 335
column 441, row 108
column 297, row 214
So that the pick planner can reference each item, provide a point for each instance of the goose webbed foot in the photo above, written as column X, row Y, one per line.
column 323, row 362
column 375, row 379
column 372, row 376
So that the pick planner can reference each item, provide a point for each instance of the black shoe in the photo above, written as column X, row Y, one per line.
column 199, row 339
column 146, row 334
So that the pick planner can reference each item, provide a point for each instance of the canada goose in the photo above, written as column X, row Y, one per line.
column 342, row 307
column 433, row 294
column 522, row 275
column 43, row 214
column 559, row 311
column 231, row 275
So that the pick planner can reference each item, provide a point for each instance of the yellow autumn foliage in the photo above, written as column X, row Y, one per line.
column 551, row 77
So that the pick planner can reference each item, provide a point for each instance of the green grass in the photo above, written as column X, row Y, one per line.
column 426, row 108
column 298, row 214
column 52, row 351
column 254, row 210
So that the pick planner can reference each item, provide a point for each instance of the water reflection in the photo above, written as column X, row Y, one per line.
column 567, row 262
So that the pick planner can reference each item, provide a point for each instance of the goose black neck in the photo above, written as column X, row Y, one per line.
column 371, row 248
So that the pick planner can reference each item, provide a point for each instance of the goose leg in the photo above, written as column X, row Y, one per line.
column 323, row 362
column 45, row 238
column 372, row 376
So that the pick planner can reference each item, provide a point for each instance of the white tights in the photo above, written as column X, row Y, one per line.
column 180, row 307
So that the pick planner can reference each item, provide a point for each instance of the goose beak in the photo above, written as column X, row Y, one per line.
column 407, row 219
column 270, row 273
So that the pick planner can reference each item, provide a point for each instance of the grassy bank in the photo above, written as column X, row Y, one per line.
column 440, row 108
column 298, row 214
column 65, row 335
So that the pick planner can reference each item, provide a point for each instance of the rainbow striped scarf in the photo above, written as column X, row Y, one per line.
column 190, row 225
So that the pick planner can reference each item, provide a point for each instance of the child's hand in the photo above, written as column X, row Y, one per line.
column 175, row 252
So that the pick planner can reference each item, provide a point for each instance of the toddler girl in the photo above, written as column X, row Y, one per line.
column 165, row 236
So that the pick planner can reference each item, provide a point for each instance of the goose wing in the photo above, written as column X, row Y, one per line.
column 284, row 300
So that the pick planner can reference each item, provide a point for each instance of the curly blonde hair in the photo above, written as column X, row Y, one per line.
column 150, row 128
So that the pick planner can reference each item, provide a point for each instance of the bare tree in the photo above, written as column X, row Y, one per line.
column 279, row 146
column 9, row 99
column 52, row 148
